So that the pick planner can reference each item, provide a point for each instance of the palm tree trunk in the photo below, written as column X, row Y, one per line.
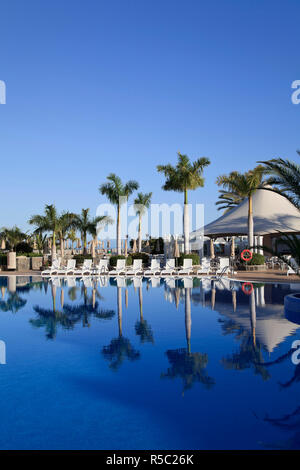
column 62, row 248
column 84, row 244
column 250, row 222
column 140, row 234
column 186, row 225
column 188, row 319
column 119, row 303
column 118, row 231
column 53, row 255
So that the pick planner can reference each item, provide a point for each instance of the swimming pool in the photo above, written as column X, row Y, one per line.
column 147, row 364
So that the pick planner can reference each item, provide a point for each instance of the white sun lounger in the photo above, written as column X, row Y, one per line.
column 136, row 268
column 154, row 268
column 187, row 267
column 188, row 282
column 205, row 267
column 87, row 282
column 53, row 269
column 169, row 268
column 102, row 267
column 170, row 282
column 155, row 282
column 86, row 268
column 294, row 268
column 121, row 281
column 224, row 266
column 71, row 265
column 137, row 282
column 120, row 268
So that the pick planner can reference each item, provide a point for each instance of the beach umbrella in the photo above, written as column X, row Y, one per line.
column 213, row 296
column 177, row 296
column 62, row 298
column 134, row 246
column 3, row 245
column 108, row 244
column 126, row 298
column 232, row 247
column 3, row 291
column 125, row 248
column 93, row 249
column 234, row 300
column 212, row 248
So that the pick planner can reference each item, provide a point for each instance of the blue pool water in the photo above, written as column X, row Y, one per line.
column 147, row 365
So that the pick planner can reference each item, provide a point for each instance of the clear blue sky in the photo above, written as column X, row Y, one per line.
column 96, row 86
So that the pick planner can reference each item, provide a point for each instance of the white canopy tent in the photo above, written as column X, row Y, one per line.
column 272, row 213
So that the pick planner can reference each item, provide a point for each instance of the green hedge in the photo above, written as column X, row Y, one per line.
column 30, row 255
column 142, row 256
column 3, row 260
column 80, row 258
column 257, row 260
column 113, row 260
column 193, row 256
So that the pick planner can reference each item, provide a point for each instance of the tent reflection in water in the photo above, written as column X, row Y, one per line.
column 189, row 366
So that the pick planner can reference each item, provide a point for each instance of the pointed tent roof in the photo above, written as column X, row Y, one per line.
column 271, row 213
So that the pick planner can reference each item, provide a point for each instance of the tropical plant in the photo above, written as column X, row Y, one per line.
column 181, row 178
column 284, row 178
column 13, row 236
column 244, row 185
column 49, row 222
column 64, row 223
column 228, row 200
column 85, row 224
column 72, row 236
column 141, row 203
column 118, row 193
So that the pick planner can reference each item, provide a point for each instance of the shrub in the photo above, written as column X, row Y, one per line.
column 142, row 256
column 193, row 256
column 23, row 247
column 80, row 258
column 3, row 260
column 113, row 260
column 29, row 255
column 257, row 259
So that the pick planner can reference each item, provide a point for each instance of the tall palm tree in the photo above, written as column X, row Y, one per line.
column 13, row 236
column 228, row 200
column 49, row 222
column 141, row 203
column 85, row 224
column 285, row 178
column 65, row 222
column 244, row 185
column 117, row 193
column 181, row 178
column 72, row 237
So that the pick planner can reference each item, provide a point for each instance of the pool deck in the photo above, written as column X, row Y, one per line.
column 273, row 276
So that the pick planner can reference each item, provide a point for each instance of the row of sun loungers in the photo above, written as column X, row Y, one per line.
column 136, row 269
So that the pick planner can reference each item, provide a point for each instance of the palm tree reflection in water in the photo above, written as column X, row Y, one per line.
column 190, row 367
column 250, row 353
column 119, row 348
column 142, row 328
column 68, row 315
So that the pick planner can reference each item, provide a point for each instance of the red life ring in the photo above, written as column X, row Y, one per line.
column 246, row 258
column 247, row 288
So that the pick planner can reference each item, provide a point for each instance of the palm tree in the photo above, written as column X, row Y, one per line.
column 181, row 178
column 73, row 237
column 49, row 222
column 244, row 185
column 13, row 236
column 141, row 203
column 285, row 177
column 117, row 193
column 85, row 224
column 65, row 222
column 228, row 200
